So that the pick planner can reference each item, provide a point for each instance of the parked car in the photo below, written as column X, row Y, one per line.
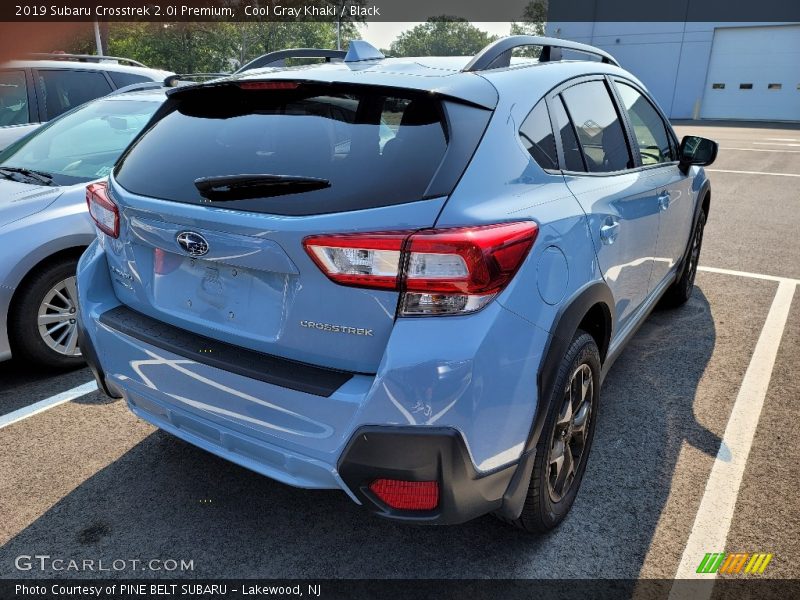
column 423, row 322
column 45, row 224
column 38, row 90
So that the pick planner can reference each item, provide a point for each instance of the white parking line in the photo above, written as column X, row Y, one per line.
column 714, row 516
column 763, row 150
column 747, row 274
column 46, row 404
column 753, row 172
column 775, row 144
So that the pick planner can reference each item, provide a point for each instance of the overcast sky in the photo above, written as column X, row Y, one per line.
column 381, row 35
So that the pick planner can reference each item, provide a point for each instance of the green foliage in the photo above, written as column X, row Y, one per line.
column 441, row 36
column 533, row 19
column 210, row 47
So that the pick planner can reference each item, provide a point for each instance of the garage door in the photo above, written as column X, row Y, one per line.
column 754, row 73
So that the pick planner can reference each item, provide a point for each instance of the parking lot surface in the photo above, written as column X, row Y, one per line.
column 672, row 472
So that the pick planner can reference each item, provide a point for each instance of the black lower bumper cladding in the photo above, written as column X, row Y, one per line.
column 422, row 454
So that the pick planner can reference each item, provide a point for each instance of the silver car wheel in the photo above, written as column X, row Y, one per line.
column 57, row 318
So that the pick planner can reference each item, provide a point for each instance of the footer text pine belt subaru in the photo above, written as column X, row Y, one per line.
column 402, row 278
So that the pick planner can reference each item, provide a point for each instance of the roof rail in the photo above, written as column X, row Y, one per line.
column 277, row 59
column 498, row 54
column 84, row 58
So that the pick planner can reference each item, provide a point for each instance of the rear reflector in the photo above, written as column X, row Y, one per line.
column 407, row 495
column 102, row 209
column 269, row 85
column 439, row 271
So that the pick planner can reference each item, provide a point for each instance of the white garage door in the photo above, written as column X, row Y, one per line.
column 754, row 73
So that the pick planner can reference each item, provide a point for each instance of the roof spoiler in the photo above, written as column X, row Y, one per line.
column 497, row 55
column 93, row 58
column 357, row 51
column 278, row 59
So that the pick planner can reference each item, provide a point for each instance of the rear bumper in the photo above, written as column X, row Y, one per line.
column 453, row 400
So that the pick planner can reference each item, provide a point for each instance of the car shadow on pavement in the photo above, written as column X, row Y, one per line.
column 167, row 499
column 23, row 383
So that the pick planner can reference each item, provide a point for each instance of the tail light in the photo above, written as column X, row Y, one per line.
column 102, row 209
column 438, row 271
column 407, row 495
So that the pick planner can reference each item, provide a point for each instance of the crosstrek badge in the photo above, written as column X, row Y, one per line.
column 336, row 328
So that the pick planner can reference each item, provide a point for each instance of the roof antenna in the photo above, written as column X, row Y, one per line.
column 359, row 50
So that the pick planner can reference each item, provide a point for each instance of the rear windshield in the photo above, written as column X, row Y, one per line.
column 360, row 147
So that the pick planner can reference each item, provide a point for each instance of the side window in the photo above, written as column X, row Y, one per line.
column 536, row 134
column 123, row 79
column 598, row 127
column 573, row 159
column 648, row 127
column 13, row 98
column 64, row 90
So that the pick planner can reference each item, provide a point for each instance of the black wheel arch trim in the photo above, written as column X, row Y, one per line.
column 705, row 190
column 567, row 322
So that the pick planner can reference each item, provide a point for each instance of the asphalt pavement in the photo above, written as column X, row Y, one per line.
column 86, row 479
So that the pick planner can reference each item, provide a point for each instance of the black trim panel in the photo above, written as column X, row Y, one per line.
column 275, row 370
column 422, row 454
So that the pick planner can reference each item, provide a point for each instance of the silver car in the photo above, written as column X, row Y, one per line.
column 46, row 86
column 45, row 225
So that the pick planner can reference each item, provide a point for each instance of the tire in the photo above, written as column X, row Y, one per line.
column 37, row 343
column 681, row 290
column 547, row 503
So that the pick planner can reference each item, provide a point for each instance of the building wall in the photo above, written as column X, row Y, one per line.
column 670, row 58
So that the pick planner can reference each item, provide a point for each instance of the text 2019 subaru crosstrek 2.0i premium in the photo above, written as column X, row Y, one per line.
column 403, row 278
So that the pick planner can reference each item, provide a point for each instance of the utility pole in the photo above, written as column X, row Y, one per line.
column 97, row 39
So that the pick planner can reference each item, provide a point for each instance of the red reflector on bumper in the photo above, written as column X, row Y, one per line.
column 407, row 495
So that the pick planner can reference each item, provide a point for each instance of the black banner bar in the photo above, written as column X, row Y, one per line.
column 778, row 11
column 393, row 589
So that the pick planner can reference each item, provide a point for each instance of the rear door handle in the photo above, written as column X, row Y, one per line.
column 609, row 232
column 663, row 201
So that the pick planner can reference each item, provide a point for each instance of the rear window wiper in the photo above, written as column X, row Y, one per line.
column 40, row 176
column 247, row 186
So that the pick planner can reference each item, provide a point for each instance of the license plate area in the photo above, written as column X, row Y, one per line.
column 227, row 297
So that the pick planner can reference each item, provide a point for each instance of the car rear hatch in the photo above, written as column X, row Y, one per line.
column 216, row 198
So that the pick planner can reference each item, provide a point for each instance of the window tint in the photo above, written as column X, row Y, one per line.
column 13, row 98
column 648, row 127
column 598, row 126
column 536, row 134
column 123, row 79
column 573, row 161
column 373, row 149
column 63, row 90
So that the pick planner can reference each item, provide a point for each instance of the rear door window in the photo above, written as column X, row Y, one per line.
column 536, row 134
column 598, row 127
column 63, row 90
column 14, row 109
column 648, row 126
column 327, row 149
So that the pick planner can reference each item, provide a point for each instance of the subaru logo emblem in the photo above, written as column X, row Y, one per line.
column 193, row 243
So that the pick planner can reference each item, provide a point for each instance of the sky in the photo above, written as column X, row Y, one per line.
column 381, row 35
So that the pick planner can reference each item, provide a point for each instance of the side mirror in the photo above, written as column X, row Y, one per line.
column 698, row 151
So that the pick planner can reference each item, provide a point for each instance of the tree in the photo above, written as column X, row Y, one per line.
column 441, row 36
column 533, row 19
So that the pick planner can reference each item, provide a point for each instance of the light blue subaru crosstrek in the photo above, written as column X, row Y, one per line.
column 423, row 318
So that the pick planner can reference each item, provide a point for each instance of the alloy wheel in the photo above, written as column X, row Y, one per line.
column 570, row 433
column 57, row 318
